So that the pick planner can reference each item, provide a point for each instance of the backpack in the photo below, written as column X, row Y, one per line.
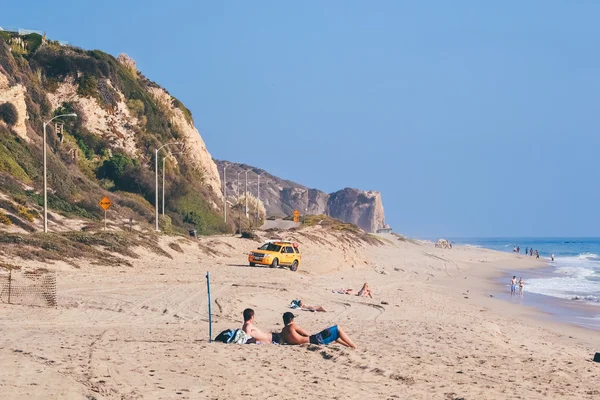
column 225, row 336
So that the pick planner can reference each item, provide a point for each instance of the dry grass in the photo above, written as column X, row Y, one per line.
column 176, row 247
column 105, row 248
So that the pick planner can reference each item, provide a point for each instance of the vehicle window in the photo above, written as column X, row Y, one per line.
column 289, row 249
column 270, row 247
column 297, row 249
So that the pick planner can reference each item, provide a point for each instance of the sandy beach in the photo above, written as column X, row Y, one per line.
column 431, row 331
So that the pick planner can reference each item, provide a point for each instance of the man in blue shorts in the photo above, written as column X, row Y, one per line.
column 293, row 334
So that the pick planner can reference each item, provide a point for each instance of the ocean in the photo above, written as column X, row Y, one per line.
column 573, row 276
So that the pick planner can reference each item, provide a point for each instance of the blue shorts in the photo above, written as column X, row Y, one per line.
column 513, row 288
column 326, row 336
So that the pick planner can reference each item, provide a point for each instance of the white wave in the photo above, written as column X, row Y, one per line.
column 589, row 256
column 567, row 287
column 575, row 271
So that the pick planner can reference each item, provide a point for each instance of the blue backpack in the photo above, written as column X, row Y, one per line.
column 225, row 336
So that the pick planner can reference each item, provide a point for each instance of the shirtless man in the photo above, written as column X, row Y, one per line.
column 513, row 285
column 251, row 330
column 293, row 334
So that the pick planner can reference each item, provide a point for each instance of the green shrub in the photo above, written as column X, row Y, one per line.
column 8, row 113
column 136, row 106
column 88, row 86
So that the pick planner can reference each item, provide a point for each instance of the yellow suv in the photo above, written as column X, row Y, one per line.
column 275, row 254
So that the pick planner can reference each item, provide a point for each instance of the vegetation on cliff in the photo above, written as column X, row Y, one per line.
column 83, row 165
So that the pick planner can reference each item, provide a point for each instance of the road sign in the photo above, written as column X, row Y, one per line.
column 105, row 203
column 296, row 216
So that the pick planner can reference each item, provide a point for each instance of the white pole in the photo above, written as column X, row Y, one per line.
column 238, row 185
column 225, row 192
column 246, row 195
column 156, row 183
column 156, row 189
column 45, row 185
column 46, row 173
column 257, row 197
column 104, row 219
column 163, row 187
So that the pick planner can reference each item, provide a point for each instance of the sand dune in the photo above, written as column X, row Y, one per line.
column 141, row 332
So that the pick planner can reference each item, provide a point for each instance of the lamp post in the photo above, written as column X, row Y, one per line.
column 306, row 209
column 238, row 185
column 163, row 181
column 156, row 181
column 246, row 193
column 225, row 191
column 258, row 198
column 46, row 173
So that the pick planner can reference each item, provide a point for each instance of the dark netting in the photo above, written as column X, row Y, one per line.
column 28, row 288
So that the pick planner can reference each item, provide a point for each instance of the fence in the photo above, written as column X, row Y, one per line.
column 29, row 288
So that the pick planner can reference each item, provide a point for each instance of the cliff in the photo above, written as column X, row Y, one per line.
column 281, row 197
column 109, row 149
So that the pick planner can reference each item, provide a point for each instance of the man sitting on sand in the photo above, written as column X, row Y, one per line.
column 251, row 330
column 293, row 334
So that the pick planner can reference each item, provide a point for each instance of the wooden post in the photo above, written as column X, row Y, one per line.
column 130, row 224
column 9, row 284
column 104, row 219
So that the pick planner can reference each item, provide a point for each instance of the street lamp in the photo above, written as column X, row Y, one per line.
column 258, row 198
column 246, row 195
column 238, row 185
column 156, row 181
column 225, row 191
column 306, row 209
column 45, row 172
column 163, row 180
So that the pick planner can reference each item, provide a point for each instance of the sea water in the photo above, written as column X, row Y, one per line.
column 573, row 276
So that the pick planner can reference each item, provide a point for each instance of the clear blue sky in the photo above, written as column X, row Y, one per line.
column 472, row 118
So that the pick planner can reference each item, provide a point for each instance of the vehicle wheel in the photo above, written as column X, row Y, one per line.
column 275, row 263
column 294, row 266
column 252, row 264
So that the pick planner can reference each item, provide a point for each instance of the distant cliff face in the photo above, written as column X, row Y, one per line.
column 364, row 209
column 281, row 197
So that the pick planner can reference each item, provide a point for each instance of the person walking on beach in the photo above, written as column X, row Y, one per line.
column 526, row 250
column 513, row 285
column 521, row 284
column 514, row 249
column 537, row 254
column 518, row 249
column 531, row 252
column 552, row 256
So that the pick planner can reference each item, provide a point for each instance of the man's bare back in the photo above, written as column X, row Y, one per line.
column 293, row 334
column 251, row 330
column 260, row 336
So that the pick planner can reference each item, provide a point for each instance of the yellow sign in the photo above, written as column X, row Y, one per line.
column 105, row 203
column 296, row 216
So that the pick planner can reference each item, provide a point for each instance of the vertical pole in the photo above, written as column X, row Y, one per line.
column 225, row 193
column 9, row 284
column 257, row 200
column 163, row 187
column 156, row 190
column 238, row 186
column 104, row 219
column 45, row 186
column 209, row 309
column 246, row 194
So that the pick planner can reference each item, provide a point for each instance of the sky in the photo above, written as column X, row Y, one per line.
column 471, row 118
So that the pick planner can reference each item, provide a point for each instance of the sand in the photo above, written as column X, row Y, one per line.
column 432, row 331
